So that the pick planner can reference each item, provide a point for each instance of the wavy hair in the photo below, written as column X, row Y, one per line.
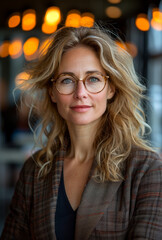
column 122, row 126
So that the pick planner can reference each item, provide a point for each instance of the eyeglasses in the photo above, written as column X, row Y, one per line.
column 67, row 83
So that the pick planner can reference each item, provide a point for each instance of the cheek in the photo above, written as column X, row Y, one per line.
column 101, row 102
column 62, row 105
column 103, row 99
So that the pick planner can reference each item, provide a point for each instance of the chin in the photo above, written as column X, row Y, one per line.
column 83, row 122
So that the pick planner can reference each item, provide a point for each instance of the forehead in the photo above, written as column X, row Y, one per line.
column 80, row 59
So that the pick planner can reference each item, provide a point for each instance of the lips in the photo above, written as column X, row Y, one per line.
column 81, row 108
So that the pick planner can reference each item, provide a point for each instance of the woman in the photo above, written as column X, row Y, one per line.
column 95, row 176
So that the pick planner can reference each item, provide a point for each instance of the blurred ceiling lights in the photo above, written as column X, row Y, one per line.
column 114, row 1
column 4, row 49
column 48, row 29
column 14, row 20
column 15, row 48
column 113, row 12
column 51, row 20
column 131, row 48
column 142, row 22
column 156, row 21
column 52, row 16
column 29, row 20
column 73, row 19
column 20, row 78
column 87, row 20
column 76, row 19
column 30, row 48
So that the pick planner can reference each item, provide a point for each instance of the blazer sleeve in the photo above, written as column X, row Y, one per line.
column 17, row 223
column 147, row 218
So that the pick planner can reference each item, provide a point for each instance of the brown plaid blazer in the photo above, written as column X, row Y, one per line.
column 129, row 209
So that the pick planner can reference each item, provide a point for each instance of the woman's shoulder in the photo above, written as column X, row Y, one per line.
column 142, row 160
column 30, row 166
column 140, row 154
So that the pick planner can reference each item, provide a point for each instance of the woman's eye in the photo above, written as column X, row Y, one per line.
column 94, row 79
column 66, row 81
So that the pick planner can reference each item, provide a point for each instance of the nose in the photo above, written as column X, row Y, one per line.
column 80, row 90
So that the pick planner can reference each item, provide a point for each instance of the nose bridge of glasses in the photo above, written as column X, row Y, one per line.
column 80, row 85
column 80, row 79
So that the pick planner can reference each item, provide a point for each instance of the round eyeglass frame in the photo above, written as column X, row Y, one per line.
column 54, row 80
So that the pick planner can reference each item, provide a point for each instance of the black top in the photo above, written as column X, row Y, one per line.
column 65, row 216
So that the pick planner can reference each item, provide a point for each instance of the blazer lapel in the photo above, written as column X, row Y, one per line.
column 45, row 203
column 96, row 198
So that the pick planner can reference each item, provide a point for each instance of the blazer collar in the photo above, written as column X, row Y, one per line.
column 96, row 198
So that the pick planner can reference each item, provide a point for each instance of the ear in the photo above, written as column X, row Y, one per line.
column 110, row 91
column 52, row 95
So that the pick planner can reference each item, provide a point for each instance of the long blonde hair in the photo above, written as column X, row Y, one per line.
column 122, row 125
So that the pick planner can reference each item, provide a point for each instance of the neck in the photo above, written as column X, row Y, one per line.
column 82, row 138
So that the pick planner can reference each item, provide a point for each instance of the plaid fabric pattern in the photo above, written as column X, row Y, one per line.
column 129, row 209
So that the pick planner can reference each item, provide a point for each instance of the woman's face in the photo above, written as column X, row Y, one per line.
column 81, row 107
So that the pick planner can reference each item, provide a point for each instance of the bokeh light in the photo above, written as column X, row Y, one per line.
column 30, row 48
column 156, row 21
column 114, row 1
column 15, row 48
column 14, row 20
column 87, row 20
column 131, row 48
column 52, row 16
column 113, row 12
column 48, row 29
column 20, row 79
column 142, row 22
column 73, row 19
column 4, row 49
column 29, row 20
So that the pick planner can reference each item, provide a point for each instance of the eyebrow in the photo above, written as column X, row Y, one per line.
column 88, row 72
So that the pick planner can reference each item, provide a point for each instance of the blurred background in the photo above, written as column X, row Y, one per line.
column 24, row 30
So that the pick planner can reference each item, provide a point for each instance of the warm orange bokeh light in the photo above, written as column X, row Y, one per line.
column 52, row 16
column 31, row 48
column 87, row 20
column 132, row 49
column 142, row 22
column 114, row 1
column 156, row 21
column 121, row 45
column 113, row 12
column 129, row 47
column 48, row 29
column 15, row 48
column 157, row 15
column 20, row 78
column 28, row 20
column 156, row 25
column 73, row 19
column 4, row 49
column 14, row 20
